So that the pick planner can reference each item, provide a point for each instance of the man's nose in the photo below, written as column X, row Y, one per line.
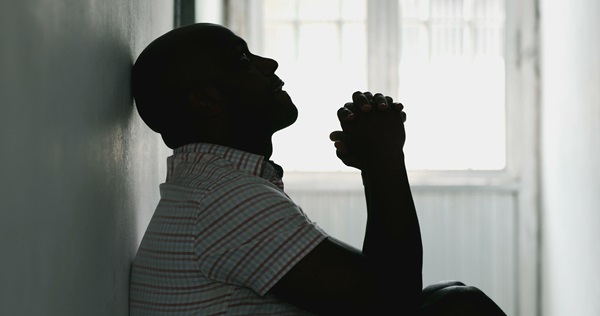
column 267, row 65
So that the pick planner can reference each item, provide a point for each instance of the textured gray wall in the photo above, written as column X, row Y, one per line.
column 570, row 157
column 79, row 170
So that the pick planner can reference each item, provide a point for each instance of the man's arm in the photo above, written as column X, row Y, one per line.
column 386, row 275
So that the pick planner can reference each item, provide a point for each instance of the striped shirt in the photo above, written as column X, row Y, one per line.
column 222, row 235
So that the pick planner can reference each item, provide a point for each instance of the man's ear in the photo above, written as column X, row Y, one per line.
column 206, row 101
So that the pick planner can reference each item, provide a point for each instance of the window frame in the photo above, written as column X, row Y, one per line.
column 244, row 17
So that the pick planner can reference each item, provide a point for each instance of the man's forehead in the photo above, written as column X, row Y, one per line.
column 234, row 42
column 214, row 44
column 241, row 44
column 204, row 35
column 226, row 50
column 219, row 34
column 226, row 44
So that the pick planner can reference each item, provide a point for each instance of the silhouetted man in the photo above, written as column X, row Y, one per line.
column 226, row 240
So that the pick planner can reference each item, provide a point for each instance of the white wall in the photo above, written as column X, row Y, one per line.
column 79, row 173
column 570, row 157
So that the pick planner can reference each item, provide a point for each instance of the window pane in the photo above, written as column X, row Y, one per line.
column 322, row 57
column 319, row 10
column 318, row 42
column 452, row 83
column 281, row 43
column 281, row 9
column 451, row 78
column 209, row 11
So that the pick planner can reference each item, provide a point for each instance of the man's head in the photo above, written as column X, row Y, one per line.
column 200, row 83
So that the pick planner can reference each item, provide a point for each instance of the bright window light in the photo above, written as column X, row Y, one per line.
column 451, row 78
column 452, row 81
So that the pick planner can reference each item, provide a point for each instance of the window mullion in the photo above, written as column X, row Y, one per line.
column 383, row 41
column 245, row 18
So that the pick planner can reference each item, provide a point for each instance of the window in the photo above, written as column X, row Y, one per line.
column 321, row 48
column 452, row 79
column 444, row 60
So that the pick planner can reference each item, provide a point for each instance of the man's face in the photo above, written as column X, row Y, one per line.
column 253, row 91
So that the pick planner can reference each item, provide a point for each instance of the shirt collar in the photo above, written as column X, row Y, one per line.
column 244, row 161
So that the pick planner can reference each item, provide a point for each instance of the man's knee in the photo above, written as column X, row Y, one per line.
column 431, row 289
column 459, row 299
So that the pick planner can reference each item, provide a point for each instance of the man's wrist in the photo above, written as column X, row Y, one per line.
column 383, row 163
column 387, row 171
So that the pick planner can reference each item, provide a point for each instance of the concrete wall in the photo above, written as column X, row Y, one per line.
column 570, row 157
column 79, row 170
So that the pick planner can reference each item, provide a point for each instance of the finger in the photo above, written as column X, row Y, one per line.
column 341, row 147
column 380, row 102
column 337, row 136
column 369, row 96
column 344, row 114
column 361, row 101
column 352, row 107
column 339, row 139
column 403, row 116
column 389, row 100
column 398, row 106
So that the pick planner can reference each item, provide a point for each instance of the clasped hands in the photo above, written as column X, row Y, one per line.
column 372, row 131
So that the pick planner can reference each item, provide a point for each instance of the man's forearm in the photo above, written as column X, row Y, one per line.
column 393, row 239
column 372, row 140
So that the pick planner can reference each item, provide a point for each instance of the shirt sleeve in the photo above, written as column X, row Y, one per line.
column 252, row 236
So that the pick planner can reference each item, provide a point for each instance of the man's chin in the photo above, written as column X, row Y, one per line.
column 279, row 123
column 282, row 97
column 284, row 111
